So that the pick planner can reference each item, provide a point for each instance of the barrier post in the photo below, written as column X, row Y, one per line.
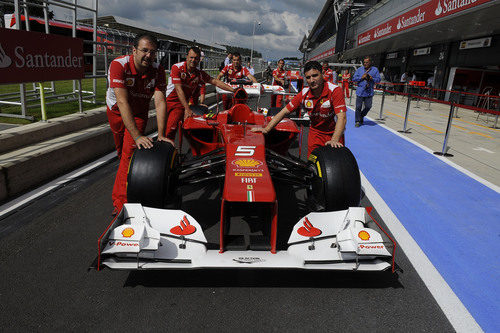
column 429, row 105
column 380, row 117
column 80, row 105
column 447, row 133
column 42, row 101
column 394, row 88
column 418, row 97
column 455, row 113
column 404, row 130
column 496, row 122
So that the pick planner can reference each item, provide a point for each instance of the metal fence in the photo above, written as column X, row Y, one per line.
column 101, row 50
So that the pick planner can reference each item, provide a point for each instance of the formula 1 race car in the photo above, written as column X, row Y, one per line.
column 152, row 232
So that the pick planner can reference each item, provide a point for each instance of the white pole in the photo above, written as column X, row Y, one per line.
column 253, row 40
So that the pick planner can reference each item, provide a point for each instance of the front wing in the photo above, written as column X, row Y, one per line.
column 150, row 238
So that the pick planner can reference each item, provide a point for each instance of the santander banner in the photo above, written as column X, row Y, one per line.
column 27, row 56
column 429, row 11
column 325, row 54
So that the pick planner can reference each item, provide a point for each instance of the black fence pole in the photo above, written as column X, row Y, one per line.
column 381, row 114
column 406, row 116
column 446, row 135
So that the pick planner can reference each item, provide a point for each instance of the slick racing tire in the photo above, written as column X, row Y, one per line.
column 151, row 177
column 337, row 185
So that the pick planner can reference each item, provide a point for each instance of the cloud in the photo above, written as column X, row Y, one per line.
column 283, row 22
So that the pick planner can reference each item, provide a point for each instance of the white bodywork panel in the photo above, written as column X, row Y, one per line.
column 150, row 238
column 253, row 90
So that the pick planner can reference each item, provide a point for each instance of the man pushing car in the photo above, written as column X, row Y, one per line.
column 185, row 77
column 133, row 79
column 323, row 101
column 234, row 71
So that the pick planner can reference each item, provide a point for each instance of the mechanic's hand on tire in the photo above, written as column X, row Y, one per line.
column 334, row 144
column 143, row 142
column 164, row 138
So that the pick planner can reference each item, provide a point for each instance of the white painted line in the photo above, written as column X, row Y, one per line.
column 454, row 310
column 483, row 149
column 442, row 158
column 38, row 192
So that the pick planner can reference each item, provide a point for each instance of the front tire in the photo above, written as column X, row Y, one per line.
column 151, row 176
column 337, row 185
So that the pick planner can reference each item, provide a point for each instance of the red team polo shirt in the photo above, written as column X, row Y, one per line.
column 328, row 75
column 280, row 75
column 232, row 73
column 189, row 82
column 140, row 87
column 321, row 110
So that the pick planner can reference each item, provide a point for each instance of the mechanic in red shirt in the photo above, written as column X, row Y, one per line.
column 133, row 80
column 234, row 71
column 279, row 75
column 184, row 79
column 328, row 74
column 323, row 101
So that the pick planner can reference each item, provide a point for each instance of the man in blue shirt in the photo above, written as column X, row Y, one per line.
column 365, row 77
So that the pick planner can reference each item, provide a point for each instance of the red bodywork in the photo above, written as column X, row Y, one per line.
column 247, row 178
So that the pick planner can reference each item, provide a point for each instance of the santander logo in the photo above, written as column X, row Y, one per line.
column 439, row 9
column 5, row 60
column 184, row 228
column 308, row 230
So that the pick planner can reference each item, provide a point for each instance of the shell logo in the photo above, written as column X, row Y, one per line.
column 247, row 163
column 129, row 81
column 364, row 235
column 308, row 104
column 128, row 232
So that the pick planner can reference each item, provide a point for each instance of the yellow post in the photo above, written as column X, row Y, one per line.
column 42, row 101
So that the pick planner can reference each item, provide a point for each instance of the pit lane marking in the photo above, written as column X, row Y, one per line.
column 469, row 122
column 458, row 315
column 444, row 159
column 415, row 122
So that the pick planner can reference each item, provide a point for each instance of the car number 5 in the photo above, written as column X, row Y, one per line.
column 245, row 151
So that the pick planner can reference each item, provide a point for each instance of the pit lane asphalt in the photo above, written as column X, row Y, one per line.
column 46, row 248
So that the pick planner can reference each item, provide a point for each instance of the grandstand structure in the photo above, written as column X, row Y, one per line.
column 453, row 43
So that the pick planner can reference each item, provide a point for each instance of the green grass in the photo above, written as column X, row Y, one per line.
column 54, row 110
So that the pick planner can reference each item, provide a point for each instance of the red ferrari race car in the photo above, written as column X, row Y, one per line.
column 294, row 82
column 153, row 231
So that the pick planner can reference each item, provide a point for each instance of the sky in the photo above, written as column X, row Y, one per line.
column 283, row 23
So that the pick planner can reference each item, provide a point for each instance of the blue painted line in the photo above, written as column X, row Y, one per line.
column 453, row 218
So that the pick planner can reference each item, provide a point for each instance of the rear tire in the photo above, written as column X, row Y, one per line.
column 151, row 178
column 338, row 183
